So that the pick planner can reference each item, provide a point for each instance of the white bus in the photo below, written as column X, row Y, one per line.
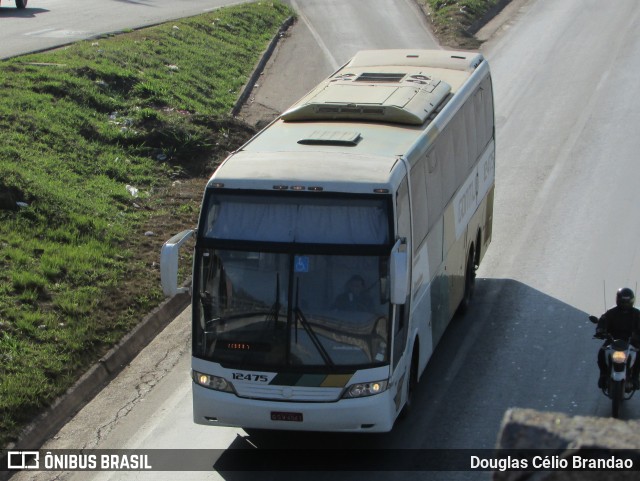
column 335, row 246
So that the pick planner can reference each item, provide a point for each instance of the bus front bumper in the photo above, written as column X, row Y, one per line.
column 367, row 414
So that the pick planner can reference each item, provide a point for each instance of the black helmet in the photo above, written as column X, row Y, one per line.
column 625, row 298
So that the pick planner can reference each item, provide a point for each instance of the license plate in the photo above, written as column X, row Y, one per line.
column 280, row 416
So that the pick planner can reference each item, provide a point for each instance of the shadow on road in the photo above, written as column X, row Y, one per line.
column 11, row 12
column 516, row 347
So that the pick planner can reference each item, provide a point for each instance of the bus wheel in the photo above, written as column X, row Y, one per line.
column 21, row 3
column 469, row 283
column 411, row 384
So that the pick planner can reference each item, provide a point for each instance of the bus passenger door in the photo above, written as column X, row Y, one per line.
column 401, row 311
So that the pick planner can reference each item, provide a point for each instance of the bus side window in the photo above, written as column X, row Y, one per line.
column 468, row 112
column 435, row 195
column 444, row 154
column 403, row 230
column 403, row 227
column 418, row 202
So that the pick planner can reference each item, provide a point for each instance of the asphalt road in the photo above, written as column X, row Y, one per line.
column 565, row 237
column 50, row 23
column 328, row 33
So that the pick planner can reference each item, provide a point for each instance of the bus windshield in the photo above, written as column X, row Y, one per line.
column 288, row 280
column 269, row 310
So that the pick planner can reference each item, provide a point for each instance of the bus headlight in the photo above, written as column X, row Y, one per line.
column 216, row 383
column 364, row 389
column 619, row 357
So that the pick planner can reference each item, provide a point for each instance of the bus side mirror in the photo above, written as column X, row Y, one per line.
column 399, row 273
column 169, row 256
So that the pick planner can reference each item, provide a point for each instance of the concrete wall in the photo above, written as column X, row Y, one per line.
column 566, row 436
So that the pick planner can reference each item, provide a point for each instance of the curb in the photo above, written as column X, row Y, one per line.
column 246, row 92
column 487, row 17
column 99, row 375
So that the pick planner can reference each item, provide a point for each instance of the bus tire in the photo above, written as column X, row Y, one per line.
column 469, row 283
column 412, row 382
column 21, row 3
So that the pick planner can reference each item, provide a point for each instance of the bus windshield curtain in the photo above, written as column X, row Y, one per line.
column 318, row 224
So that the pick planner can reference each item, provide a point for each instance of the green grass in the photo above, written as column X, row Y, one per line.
column 77, row 126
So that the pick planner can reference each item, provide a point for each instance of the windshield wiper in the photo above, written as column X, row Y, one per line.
column 309, row 330
column 275, row 308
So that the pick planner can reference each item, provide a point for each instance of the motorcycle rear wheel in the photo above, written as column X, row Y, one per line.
column 617, row 394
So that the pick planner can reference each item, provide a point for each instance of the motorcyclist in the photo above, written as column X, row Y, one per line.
column 620, row 322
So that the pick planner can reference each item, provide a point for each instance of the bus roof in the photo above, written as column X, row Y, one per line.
column 349, row 131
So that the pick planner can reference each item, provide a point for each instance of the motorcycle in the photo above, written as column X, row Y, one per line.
column 620, row 357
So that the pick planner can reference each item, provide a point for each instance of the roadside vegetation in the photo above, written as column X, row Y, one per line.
column 455, row 22
column 105, row 147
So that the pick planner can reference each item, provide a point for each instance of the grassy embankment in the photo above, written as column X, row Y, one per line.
column 146, row 109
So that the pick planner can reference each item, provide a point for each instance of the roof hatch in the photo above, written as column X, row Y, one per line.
column 328, row 137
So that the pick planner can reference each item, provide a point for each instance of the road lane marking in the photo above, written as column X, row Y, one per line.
column 334, row 63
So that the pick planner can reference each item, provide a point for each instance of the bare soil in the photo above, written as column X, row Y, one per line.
column 170, row 210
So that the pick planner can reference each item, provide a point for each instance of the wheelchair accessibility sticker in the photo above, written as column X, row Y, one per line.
column 301, row 264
